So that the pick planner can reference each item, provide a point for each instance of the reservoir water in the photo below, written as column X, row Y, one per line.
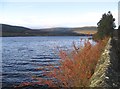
column 21, row 56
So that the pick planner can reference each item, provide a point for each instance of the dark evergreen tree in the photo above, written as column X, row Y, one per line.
column 106, row 26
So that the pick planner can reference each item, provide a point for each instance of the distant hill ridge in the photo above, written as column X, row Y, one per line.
column 10, row 30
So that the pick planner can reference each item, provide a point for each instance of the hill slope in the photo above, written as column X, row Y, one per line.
column 9, row 30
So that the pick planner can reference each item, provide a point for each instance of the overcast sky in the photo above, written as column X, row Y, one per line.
column 38, row 14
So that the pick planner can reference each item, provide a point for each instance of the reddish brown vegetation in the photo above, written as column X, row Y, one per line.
column 75, row 68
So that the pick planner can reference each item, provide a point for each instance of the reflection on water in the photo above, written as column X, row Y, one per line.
column 21, row 56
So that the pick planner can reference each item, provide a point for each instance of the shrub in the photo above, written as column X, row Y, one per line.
column 75, row 68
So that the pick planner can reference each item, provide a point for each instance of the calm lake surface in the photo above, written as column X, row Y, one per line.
column 21, row 56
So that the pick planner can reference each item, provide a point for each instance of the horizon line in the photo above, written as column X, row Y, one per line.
column 48, row 26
